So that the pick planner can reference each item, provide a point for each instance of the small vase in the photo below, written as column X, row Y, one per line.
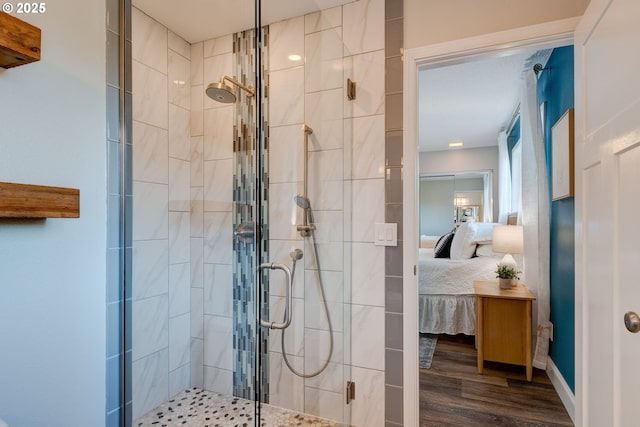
column 507, row 283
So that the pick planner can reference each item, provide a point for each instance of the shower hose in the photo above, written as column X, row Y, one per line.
column 326, row 312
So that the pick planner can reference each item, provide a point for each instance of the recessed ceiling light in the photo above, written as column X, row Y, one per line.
column 295, row 57
column 456, row 144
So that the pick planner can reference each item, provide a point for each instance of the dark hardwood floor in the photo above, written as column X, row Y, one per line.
column 452, row 393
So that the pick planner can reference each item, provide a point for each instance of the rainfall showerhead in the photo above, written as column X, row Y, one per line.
column 221, row 92
column 224, row 93
column 302, row 201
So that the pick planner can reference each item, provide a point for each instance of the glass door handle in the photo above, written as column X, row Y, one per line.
column 288, row 299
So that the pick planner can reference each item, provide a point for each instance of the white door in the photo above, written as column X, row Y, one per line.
column 607, row 64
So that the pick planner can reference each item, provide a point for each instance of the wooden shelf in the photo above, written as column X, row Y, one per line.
column 19, row 42
column 38, row 201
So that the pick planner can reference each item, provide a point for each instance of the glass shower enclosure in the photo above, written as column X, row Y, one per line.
column 238, row 286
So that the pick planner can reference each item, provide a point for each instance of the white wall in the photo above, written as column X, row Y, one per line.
column 436, row 21
column 471, row 159
column 52, row 273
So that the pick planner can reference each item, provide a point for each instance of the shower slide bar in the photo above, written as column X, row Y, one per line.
column 289, row 295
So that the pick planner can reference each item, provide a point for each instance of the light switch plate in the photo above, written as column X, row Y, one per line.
column 385, row 234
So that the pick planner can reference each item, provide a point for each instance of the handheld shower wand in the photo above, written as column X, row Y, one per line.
column 307, row 229
column 307, row 219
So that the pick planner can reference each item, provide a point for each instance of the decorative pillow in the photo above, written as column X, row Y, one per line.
column 443, row 247
column 485, row 250
column 463, row 245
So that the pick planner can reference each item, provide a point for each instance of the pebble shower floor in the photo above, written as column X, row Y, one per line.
column 200, row 408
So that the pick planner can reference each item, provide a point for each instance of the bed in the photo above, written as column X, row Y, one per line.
column 446, row 296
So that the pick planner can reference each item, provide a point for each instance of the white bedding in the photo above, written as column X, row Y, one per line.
column 445, row 276
column 447, row 300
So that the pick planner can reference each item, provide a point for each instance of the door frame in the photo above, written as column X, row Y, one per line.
column 545, row 35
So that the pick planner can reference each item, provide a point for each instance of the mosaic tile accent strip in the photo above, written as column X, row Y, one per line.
column 249, row 205
column 199, row 408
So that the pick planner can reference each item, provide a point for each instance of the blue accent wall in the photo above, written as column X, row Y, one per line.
column 556, row 89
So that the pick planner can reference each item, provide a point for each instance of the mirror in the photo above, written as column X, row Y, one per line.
column 448, row 200
column 467, row 214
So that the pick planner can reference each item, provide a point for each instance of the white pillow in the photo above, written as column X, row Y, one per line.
column 464, row 245
column 484, row 232
column 485, row 250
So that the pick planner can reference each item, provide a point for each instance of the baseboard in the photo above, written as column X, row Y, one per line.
column 562, row 388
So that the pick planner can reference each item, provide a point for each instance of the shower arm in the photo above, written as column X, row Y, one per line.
column 249, row 89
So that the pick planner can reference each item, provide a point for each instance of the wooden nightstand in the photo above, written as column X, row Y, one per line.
column 503, row 325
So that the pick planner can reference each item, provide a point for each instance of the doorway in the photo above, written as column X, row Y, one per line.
column 539, row 37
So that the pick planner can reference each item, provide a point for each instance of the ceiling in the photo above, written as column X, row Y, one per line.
column 198, row 20
column 471, row 101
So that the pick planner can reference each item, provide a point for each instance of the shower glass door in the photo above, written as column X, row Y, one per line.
column 307, row 156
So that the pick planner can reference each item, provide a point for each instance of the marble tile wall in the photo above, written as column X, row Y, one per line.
column 161, row 306
column 211, row 220
column 364, row 142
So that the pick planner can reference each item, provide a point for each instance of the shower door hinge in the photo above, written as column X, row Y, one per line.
column 351, row 391
column 351, row 90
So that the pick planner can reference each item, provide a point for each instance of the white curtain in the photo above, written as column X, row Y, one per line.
column 487, row 197
column 504, row 179
column 516, row 178
column 535, row 217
